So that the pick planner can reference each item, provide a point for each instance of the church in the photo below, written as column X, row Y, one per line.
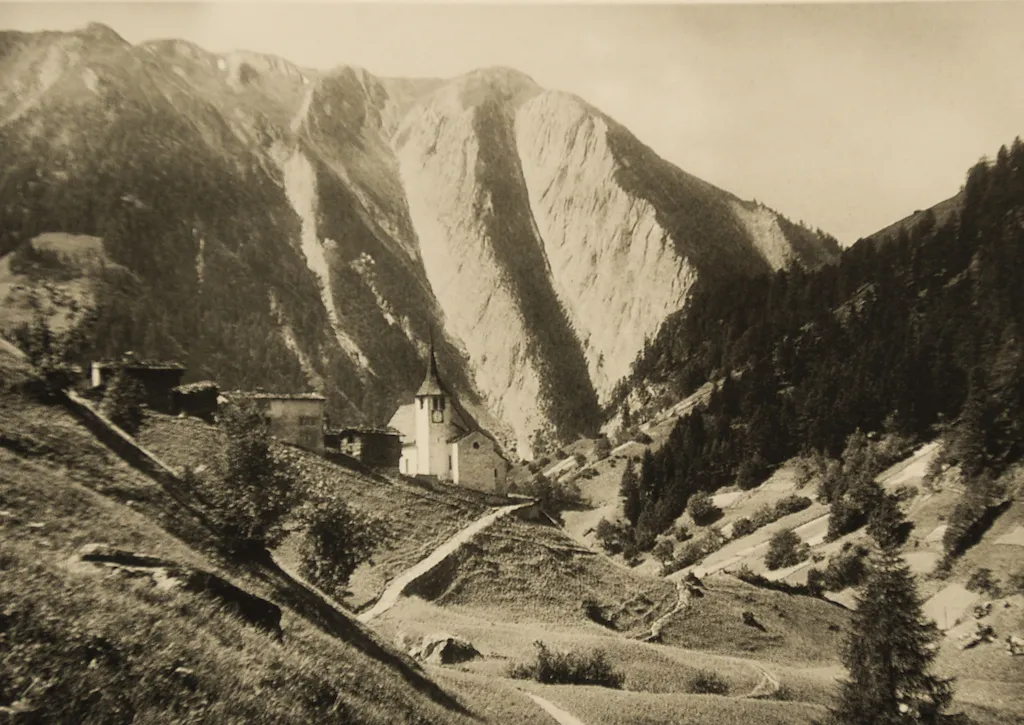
column 440, row 439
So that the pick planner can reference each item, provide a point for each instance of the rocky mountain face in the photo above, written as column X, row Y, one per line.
column 284, row 227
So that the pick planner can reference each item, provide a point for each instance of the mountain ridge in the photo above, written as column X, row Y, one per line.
column 350, row 199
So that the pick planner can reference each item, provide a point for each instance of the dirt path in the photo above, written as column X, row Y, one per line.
column 560, row 715
column 398, row 585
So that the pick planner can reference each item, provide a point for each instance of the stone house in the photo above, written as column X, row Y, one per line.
column 158, row 379
column 372, row 446
column 196, row 399
column 296, row 418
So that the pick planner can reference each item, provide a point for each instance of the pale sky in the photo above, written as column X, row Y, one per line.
column 848, row 117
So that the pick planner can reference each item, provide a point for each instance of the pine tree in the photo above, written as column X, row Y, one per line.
column 889, row 653
column 632, row 503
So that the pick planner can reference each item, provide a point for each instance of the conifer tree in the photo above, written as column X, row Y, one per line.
column 632, row 503
column 889, row 653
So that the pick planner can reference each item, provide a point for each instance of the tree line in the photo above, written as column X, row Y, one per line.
column 913, row 335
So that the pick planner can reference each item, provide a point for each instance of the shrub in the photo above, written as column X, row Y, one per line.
column 664, row 551
column 256, row 494
column 785, row 548
column 554, row 497
column 643, row 438
column 602, row 448
column 579, row 458
column 613, row 536
column 123, row 402
column 743, row 527
column 694, row 551
column 982, row 581
column 790, row 505
column 707, row 682
column 846, row 569
column 702, row 509
column 337, row 540
column 1015, row 582
column 745, row 574
column 568, row 668
column 682, row 533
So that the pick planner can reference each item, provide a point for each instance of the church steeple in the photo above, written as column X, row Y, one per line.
column 432, row 382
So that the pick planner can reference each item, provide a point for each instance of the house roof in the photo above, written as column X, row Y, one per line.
column 201, row 386
column 364, row 429
column 485, row 434
column 260, row 395
column 138, row 364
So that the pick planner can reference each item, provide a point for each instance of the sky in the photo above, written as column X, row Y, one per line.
column 845, row 116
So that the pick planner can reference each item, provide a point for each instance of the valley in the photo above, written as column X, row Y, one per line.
column 674, row 459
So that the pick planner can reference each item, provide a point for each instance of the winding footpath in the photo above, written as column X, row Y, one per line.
column 397, row 586
column 560, row 715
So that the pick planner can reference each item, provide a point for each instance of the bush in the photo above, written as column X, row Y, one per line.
column 664, row 551
column 694, row 551
column 643, row 439
column 554, row 497
column 785, row 548
column 982, row 581
column 613, row 536
column 337, row 540
column 682, row 533
column 743, row 527
column 602, row 448
column 568, row 668
column 123, row 402
column 745, row 574
column 707, row 682
column 1015, row 582
column 790, row 505
column 702, row 509
column 846, row 569
column 256, row 494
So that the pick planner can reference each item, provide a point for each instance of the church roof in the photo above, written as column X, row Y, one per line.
column 432, row 383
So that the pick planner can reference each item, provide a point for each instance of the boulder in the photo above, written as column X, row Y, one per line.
column 445, row 649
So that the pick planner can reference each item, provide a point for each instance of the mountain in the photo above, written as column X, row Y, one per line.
column 930, row 217
column 285, row 227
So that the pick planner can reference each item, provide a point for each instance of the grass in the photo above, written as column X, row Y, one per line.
column 519, row 571
column 602, row 706
column 418, row 517
column 162, row 656
column 645, row 667
column 58, row 618
column 796, row 630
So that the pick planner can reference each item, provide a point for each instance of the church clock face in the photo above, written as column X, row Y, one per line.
column 437, row 416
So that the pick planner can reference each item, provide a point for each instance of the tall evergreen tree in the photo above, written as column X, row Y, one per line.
column 632, row 503
column 889, row 653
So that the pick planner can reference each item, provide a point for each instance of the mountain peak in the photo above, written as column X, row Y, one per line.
column 101, row 33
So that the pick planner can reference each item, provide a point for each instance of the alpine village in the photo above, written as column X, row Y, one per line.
column 334, row 397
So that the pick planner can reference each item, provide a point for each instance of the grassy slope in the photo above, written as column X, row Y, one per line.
column 601, row 706
column 646, row 667
column 60, row 489
column 418, row 517
column 798, row 631
column 520, row 571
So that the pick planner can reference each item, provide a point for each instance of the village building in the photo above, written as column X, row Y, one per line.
column 157, row 379
column 296, row 418
column 196, row 399
column 441, row 440
column 380, row 447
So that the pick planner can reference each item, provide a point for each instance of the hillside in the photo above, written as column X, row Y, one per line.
column 93, row 642
column 351, row 215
